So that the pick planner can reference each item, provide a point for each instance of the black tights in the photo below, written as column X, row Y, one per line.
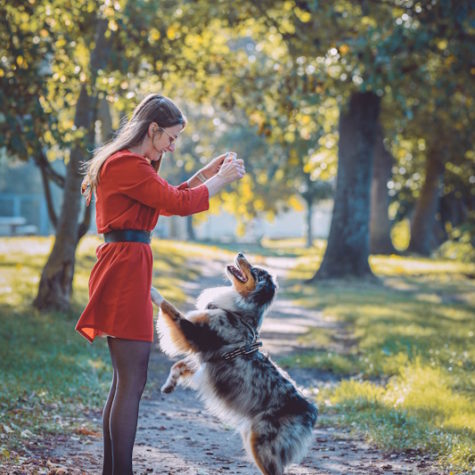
column 120, row 414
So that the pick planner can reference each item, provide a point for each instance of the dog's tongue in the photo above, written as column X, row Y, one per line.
column 237, row 273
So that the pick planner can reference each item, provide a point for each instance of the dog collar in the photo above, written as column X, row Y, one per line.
column 246, row 349
column 242, row 350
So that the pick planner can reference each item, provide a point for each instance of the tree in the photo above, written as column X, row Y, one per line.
column 349, row 227
column 27, row 127
column 56, row 279
column 114, row 47
column 313, row 192
column 380, row 225
column 383, row 47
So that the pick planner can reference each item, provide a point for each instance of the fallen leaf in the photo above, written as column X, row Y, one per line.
column 85, row 431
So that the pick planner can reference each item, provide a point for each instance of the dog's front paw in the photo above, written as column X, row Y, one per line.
column 157, row 298
column 168, row 388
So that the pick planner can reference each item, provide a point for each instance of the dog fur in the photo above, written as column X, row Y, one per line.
column 249, row 391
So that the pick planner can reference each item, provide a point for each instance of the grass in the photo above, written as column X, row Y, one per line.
column 406, row 346
column 403, row 345
column 52, row 379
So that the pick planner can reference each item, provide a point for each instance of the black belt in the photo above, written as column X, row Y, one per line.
column 128, row 235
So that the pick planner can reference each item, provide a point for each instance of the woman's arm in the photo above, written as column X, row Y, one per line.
column 230, row 170
column 211, row 169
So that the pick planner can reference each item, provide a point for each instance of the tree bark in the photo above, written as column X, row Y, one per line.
column 423, row 240
column 308, row 223
column 380, row 225
column 190, row 231
column 85, row 223
column 173, row 228
column 55, row 288
column 347, row 250
column 104, row 115
column 47, row 191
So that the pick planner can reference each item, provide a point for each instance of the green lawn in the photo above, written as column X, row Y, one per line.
column 405, row 347
column 51, row 378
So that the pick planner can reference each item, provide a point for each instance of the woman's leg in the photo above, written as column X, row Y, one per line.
column 130, row 359
column 107, row 464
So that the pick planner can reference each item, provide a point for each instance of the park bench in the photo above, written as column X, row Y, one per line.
column 16, row 225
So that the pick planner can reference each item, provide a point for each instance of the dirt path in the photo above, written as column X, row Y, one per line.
column 176, row 436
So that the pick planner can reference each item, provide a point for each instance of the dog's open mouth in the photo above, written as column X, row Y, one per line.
column 238, row 273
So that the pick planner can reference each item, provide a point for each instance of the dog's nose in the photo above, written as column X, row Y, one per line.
column 240, row 254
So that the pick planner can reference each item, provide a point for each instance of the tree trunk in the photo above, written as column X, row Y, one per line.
column 308, row 223
column 347, row 250
column 380, row 225
column 423, row 222
column 85, row 223
column 104, row 115
column 55, row 287
column 173, row 232
column 190, row 231
column 49, row 198
column 56, row 280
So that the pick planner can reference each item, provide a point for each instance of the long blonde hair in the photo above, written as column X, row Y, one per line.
column 154, row 108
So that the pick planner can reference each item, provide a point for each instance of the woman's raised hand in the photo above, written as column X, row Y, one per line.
column 232, row 168
column 213, row 166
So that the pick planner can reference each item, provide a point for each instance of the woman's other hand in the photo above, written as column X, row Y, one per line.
column 232, row 168
column 213, row 167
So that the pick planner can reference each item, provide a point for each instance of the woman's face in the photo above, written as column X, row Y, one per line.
column 164, row 140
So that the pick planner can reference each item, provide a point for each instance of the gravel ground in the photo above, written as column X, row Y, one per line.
column 176, row 436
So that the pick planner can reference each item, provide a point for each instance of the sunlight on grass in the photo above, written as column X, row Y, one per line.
column 414, row 326
column 48, row 372
column 400, row 234
column 406, row 339
column 416, row 410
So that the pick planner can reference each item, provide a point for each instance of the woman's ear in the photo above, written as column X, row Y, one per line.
column 152, row 129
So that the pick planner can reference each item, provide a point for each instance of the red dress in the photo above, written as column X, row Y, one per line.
column 130, row 195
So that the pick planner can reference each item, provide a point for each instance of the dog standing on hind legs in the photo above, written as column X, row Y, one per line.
column 236, row 381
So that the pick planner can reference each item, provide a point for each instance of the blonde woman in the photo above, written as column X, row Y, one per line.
column 130, row 196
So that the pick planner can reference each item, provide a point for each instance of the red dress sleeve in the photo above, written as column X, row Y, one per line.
column 182, row 186
column 134, row 177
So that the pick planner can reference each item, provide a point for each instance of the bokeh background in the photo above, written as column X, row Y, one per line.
column 355, row 120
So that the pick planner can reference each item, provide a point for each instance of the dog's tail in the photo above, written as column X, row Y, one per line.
column 157, row 298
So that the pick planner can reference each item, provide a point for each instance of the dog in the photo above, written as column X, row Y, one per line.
column 237, row 382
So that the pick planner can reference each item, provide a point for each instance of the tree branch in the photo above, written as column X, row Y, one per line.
column 45, row 167
column 49, row 199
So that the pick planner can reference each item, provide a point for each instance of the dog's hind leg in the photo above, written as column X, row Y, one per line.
column 263, row 451
column 181, row 369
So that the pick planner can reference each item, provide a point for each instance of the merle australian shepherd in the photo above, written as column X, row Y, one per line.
column 237, row 382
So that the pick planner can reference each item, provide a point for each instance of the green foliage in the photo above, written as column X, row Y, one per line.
column 460, row 245
column 416, row 55
column 282, row 68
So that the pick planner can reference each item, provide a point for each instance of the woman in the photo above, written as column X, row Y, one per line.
column 130, row 196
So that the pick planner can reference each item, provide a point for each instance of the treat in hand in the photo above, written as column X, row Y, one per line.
column 232, row 168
